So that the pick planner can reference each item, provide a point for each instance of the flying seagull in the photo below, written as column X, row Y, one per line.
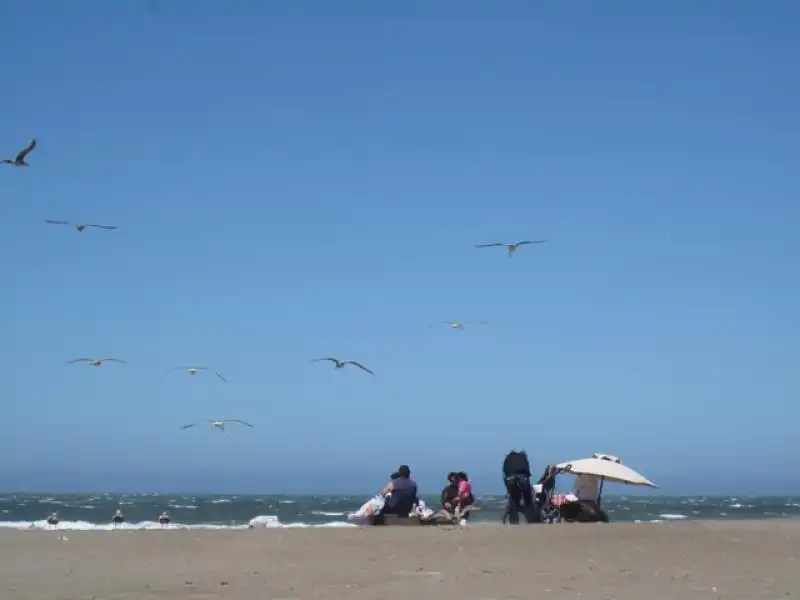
column 339, row 364
column 461, row 324
column 19, row 159
column 218, row 424
column 95, row 362
column 193, row 371
column 511, row 247
column 80, row 226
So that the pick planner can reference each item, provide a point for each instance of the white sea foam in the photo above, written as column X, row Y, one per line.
column 260, row 522
column 272, row 522
column 323, row 513
column 673, row 517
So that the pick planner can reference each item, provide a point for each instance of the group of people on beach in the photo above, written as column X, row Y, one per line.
column 536, row 502
column 457, row 494
column 400, row 497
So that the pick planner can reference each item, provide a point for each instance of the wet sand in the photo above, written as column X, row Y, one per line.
column 718, row 560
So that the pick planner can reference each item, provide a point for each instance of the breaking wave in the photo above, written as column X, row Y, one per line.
column 259, row 522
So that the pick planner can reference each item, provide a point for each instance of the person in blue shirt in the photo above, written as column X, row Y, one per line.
column 400, row 493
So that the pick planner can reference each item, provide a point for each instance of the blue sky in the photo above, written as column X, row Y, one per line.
column 306, row 178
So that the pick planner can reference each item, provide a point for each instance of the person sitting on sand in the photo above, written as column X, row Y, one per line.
column 464, row 497
column 582, row 504
column 400, row 494
column 450, row 492
column 586, row 488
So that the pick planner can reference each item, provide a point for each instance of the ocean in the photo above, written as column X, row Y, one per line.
column 187, row 511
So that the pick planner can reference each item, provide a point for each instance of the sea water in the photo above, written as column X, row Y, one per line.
column 94, row 511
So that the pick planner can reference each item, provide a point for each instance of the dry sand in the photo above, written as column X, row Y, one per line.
column 724, row 560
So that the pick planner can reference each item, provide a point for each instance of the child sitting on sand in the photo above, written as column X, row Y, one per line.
column 464, row 497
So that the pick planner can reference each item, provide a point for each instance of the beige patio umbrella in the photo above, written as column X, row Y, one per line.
column 607, row 467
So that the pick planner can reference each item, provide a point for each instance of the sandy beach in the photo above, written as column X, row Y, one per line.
column 747, row 560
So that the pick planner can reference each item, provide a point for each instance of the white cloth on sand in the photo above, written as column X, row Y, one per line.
column 422, row 510
column 371, row 507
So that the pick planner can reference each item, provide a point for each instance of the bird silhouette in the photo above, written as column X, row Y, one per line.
column 19, row 159
column 461, row 324
column 511, row 247
column 194, row 370
column 218, row 424
column 340, row 364
column 95, row 362
column 80, row 226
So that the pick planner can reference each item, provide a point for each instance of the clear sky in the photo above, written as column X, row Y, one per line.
column 294, row 179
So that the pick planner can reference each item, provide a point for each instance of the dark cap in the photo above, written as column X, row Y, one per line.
column 404, row 471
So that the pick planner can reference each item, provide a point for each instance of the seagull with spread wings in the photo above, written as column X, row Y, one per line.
column 511, row 247
column 219, row 424
column 80, row 226
column 339, row 364
column 19, row 159
column 194, row 370
column 95, row 362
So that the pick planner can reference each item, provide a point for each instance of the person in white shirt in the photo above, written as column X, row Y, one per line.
column 587, row 488
column 582, row 505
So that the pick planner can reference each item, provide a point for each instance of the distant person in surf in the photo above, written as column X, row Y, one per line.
column 118, row 518
column 163, row 518
column 52, row 520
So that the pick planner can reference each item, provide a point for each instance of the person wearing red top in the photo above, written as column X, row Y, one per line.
column 464, row 497
column 464, row 488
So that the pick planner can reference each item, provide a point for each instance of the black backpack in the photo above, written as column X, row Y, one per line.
column 516, row 463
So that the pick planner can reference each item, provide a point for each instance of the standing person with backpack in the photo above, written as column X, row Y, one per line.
column 517, row 479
